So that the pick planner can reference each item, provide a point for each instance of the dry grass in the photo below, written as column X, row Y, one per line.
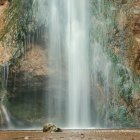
column 35, row 61
column 2, row 15
column 5, row 54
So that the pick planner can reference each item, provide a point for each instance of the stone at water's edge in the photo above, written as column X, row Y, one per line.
column 51, row 128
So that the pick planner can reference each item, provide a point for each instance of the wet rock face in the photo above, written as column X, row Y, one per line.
column 51, row 128
column 32, row 72
column 3, row 7
column 128, row 25
column 136, row 100
column 134, row 28
column 2, row 2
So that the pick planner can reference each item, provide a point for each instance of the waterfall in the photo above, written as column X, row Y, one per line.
column 5, row 71
column 5, row 117
column 68, row 62
column 4, row 110
column 79, row 70
column 4, row 114
column 77, row 46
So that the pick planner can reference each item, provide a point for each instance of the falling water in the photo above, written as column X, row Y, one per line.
column 5, row 71
column 101, row 65
column 5, row 116
column 68, row 62
column 78, row 66
column 79, row 86
column 79, row 69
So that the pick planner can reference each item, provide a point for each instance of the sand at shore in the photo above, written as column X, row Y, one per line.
column 72, row 135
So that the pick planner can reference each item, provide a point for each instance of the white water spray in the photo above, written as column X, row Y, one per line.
column 68, row 62
column 76, row 61
column 5, row 116
column 78, row 67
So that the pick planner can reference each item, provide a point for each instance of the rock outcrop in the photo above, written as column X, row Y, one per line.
column 51, row 128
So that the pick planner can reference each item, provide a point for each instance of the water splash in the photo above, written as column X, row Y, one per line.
column 5, row 116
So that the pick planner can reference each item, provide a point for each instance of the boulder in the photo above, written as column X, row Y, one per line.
column 51, row 128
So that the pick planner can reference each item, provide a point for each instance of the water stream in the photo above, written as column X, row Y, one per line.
column 69, row 61
column 79, row 81
column 4, row 113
